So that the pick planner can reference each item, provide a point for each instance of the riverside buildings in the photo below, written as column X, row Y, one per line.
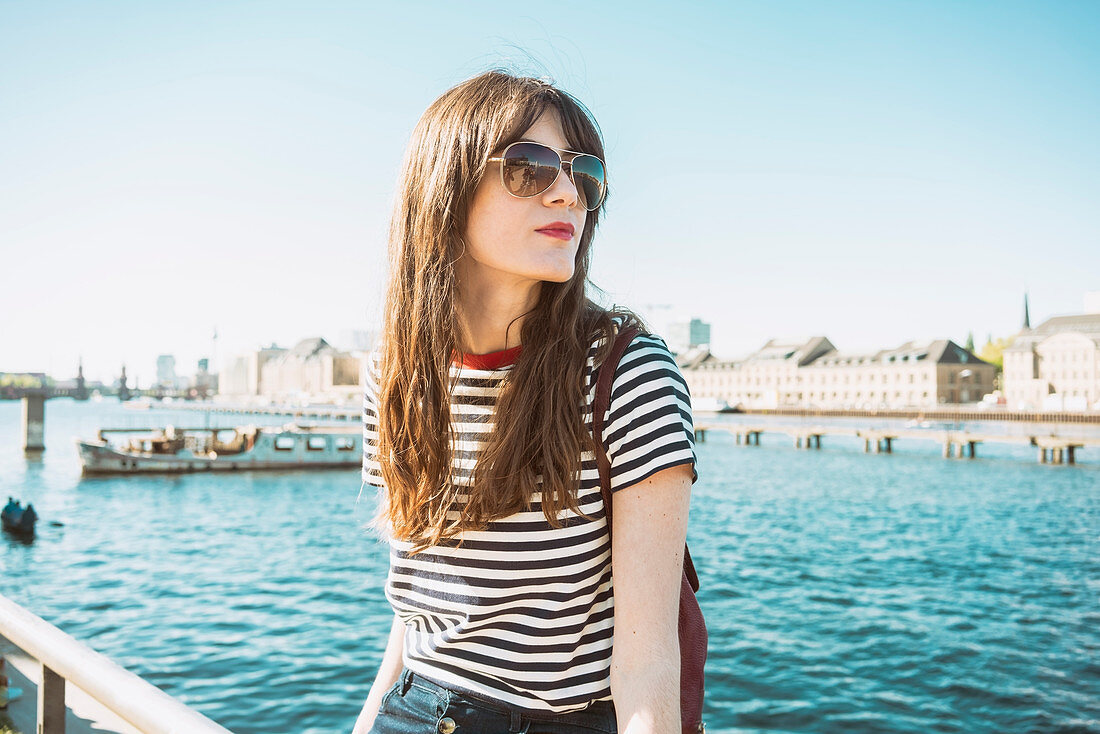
column 312, row 371
column 1056, row 365
column 814, row 374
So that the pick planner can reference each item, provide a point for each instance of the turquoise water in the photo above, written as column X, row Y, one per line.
column 845, row 592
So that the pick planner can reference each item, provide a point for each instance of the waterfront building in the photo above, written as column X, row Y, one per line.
column 205, row 382
column 814, row 374
column 313, row 371
column 243, row 377
column 166, row 371
column 1056, row 365
column 687, row 335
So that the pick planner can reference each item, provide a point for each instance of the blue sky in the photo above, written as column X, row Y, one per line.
column 870, row 171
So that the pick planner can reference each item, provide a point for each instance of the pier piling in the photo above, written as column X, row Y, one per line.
column 34, row 421
column 1053, row 448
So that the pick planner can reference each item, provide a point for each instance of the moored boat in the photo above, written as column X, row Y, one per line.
column 172, row 449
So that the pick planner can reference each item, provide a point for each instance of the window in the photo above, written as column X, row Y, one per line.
column 284, row 443
column 316, row 443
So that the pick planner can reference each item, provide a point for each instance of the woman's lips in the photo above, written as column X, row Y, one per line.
column 557, row 230
column 559, row 234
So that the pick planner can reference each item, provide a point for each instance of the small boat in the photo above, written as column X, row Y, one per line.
column 18, row 519
column 181, row 450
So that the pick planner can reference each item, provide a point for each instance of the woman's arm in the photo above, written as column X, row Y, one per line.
column 650, row 526
column 388, row 672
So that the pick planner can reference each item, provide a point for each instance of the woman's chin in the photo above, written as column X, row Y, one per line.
column 560, row 276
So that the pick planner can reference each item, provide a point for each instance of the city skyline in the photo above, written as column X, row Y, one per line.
column 874, row 173
column 352, row 340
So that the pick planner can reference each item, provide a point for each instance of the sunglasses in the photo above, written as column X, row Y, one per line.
column 528, row 169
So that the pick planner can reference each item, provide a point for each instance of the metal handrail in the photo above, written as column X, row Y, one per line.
column 64, row 658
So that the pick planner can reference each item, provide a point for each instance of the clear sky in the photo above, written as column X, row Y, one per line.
column 870, row 171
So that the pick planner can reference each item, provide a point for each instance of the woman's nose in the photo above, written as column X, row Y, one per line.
column 562, row 190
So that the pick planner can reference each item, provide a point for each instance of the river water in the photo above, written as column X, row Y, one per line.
column 844, row 591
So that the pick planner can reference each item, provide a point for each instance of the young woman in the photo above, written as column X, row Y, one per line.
column 477, row 420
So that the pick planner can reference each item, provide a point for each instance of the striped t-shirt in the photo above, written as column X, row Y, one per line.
column 524, row 613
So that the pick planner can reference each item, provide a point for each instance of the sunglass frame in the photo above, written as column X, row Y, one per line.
column 561, row 167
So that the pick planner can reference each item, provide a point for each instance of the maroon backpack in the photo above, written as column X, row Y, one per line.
column 692, row 627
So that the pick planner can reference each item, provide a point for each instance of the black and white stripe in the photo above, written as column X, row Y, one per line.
column 524, row 613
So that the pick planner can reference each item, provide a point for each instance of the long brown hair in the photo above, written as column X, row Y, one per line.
column 539, row 416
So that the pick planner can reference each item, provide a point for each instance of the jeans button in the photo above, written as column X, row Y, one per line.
column 446, row 725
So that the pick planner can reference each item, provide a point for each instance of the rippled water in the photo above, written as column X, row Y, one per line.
column 845, row 592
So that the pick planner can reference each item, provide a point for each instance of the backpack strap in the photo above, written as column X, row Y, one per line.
column 601, row 406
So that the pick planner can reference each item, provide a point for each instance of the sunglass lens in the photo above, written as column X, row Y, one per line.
column 588, row 176
column 529, row 168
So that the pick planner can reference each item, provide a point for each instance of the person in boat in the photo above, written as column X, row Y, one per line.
column 477, row 413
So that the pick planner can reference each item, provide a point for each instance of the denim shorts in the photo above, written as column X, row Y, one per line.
column 416, row 705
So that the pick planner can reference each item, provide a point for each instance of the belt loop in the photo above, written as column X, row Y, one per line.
column 515, row 722
column 406, row 681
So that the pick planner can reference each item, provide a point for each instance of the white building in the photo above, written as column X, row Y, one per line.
column 814, row 374
column 312, row 371
column 1056, row 365
column 242, row 378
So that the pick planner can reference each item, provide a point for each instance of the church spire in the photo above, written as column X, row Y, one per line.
column 1027, row 316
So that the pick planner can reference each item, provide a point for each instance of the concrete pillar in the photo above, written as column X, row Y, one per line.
column 878, row 445
column 34, row 421
column 947, row 449
column 973, row 444
column 737, row 437
column 1069, row 454
column 1042, row 455
column 889, row 447
column 1057, row 458
column 798, row 442
column 817, row 441
column 866, row 445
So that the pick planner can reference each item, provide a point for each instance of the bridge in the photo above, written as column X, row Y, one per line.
column 1052, row 447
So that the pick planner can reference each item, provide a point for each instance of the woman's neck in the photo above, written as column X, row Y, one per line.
column 490, row 319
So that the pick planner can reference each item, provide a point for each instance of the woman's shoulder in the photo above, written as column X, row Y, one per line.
column 643, row 338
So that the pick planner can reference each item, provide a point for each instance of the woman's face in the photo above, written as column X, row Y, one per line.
column 515, row 240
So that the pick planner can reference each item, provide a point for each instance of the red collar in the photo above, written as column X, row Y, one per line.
column 490, row 361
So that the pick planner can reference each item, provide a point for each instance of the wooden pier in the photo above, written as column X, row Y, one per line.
column 1053, row 449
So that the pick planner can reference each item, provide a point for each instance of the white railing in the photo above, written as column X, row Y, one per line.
column 65, row 659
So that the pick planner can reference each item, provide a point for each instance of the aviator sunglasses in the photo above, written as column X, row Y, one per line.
column 528, row 169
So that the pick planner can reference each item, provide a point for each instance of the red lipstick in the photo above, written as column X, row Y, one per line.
column 558, row 230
